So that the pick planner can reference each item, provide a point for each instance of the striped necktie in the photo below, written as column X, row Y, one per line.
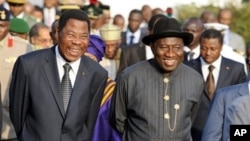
column 66, row 87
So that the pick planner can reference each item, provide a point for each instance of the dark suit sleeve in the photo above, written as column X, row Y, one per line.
column 214, row 124
column 19, row 96
column 118, row 114
column 95, row 104
column 123, row 62
column 1, row 111
column 242, row 76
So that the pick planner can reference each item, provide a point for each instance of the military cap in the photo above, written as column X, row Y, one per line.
column 19, row 25
column 92, row 11
column 68, row 6
column 105, row 9
column 217, row 26
column 4, row 14
column 17, row 1
column 110, row 32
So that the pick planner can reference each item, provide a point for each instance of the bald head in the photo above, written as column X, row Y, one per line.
column 194, row 26
column 225, row 16
column 208, row 17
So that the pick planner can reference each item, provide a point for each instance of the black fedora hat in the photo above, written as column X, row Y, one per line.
column 167, row 27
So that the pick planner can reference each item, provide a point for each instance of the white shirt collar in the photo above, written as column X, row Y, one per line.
column 136, row 35
column 196, row 51
column 74, row 65
column 216, row 71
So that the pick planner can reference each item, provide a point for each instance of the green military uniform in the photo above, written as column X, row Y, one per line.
column 10, row 48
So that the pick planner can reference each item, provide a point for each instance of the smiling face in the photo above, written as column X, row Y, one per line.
column 73, row 39
column 168, row 53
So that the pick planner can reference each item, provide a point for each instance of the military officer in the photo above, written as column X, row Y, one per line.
column 10, row 48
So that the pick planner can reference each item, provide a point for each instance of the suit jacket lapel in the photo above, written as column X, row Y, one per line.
column 224, row 70
column 51, row 70
column 80, row 79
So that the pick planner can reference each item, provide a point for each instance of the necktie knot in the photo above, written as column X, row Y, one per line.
column 211, row 68
column 67, row 68
column 191, row 55
column 131, row 39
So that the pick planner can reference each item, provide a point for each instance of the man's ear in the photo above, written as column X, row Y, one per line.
column 32, row 40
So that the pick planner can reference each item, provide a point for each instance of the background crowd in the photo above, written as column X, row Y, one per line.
column 209, row 70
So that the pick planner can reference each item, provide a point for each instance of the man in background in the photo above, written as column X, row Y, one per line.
column 10, row 48
column 111, row 34
column 39, row 36
column 231, row 38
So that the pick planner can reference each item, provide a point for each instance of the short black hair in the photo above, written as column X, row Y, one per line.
column 73, row 14
column 135, row 11
column 212, row 34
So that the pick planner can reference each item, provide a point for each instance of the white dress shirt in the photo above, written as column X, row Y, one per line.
column 74, row 67
column 136, row 35
column 49, row 15
column 196, row 51
column 216, row 71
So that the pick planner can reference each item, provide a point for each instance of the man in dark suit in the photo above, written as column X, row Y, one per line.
column 41, row 108
column 225, row 72
column 137, row 52
column 216, row 125
column 195, row 26
column 134, row 33
column 238, row 113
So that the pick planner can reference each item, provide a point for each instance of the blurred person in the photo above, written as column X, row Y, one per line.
column 216, row 127
column 17, row 11
column 169, row 12
column 158, row 11
column 106, row 12
column 39, row 36
column 146, row 14
column 54, row 31
column 93, row 13
column 37, row 13
column 238, row 113
column 138, row 52
column 19, row 28
column 50, row 11
column 208, row 17
column 111, row 34
column 103, row 131
column 28, row 8
column 231, row 38
column 61, row 90
column 154, row 99
column 194, row 26
column 119, row 21
column 248, row 55
column 10, row 48
column 133, row 33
